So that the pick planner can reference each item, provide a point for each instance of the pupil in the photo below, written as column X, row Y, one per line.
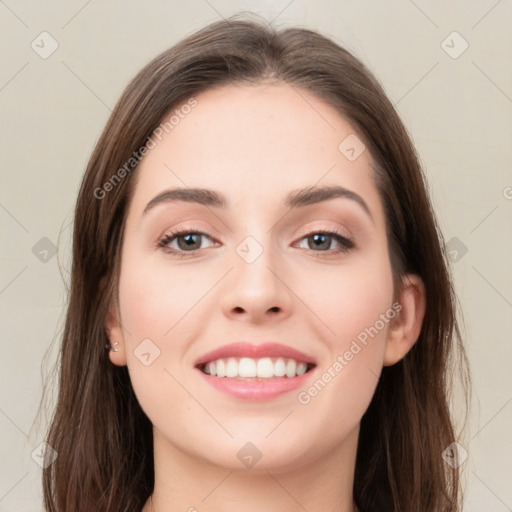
column 189, row 241
column 318, row 238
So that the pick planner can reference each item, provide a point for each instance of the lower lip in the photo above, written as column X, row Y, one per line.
column 256, row 389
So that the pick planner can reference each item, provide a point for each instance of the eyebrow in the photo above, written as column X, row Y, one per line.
column 295, row 199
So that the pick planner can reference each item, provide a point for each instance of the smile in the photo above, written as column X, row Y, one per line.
column 255, row 369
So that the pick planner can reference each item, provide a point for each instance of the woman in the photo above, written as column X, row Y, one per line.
column 255, row 247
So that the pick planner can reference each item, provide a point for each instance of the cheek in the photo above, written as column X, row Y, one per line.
column 156, row 297
column 349, row 299
column 161, row 308
column 152, row 305
column 355, row 305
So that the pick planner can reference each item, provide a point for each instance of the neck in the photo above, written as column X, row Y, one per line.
column 187, row 484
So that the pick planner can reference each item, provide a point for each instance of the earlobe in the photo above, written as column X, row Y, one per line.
column 406, row 326
column 116, row 346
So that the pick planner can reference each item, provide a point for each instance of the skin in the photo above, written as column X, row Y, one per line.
column 255, row 144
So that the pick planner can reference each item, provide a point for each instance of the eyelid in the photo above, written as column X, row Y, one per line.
column 346, row 234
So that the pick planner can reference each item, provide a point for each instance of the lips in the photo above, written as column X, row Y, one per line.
column 244, row 349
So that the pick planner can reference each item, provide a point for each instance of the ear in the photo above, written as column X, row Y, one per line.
column 405, row 328
column 115, row 334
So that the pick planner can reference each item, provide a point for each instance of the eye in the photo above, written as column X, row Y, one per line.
column 187, row 242
column 322, row 241
column 183, row 241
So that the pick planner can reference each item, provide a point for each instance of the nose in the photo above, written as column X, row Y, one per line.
column 257, row 290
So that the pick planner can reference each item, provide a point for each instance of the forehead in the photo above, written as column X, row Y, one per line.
column 254, row 142
column 241, row 124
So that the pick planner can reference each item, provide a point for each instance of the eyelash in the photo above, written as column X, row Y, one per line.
column 346, row 243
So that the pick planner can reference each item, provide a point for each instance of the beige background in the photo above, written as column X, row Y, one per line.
column 457, row 106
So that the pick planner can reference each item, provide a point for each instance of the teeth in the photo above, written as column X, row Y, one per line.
column 246, row 368
column 221, row 368
column 264, row 368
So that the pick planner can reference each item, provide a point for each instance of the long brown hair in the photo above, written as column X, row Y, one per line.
column 103, row 438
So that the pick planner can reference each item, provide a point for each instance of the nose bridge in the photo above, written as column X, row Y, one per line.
column 254, row 259
column 256, row 286
column 255, row 252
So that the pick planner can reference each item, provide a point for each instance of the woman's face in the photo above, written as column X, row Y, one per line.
column 264, row 271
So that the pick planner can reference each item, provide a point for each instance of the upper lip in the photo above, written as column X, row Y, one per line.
column 245, row 349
